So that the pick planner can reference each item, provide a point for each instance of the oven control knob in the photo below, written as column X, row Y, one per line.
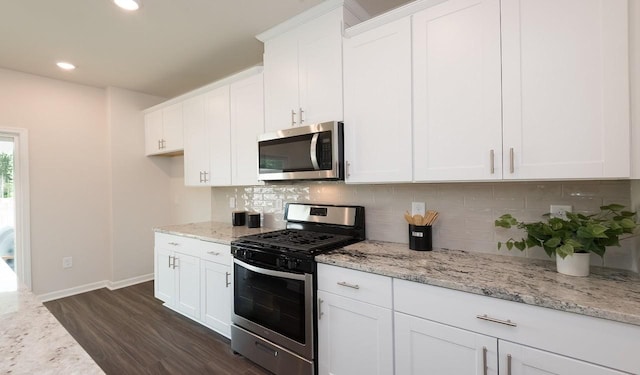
column 247, row 254
column 281, row 262
column 292, row 263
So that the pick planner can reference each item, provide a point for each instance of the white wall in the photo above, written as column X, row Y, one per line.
column 188, row 204
column 69, row 176
column 140, row 189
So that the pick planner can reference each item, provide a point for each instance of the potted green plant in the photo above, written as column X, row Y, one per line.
column 574, row 238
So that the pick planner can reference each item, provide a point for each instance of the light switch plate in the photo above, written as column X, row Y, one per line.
column 559, row 210
column 418, row 208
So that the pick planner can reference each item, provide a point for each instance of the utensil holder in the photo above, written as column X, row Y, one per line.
column 420, row 237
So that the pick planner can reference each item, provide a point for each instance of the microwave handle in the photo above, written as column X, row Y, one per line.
column 314, row 151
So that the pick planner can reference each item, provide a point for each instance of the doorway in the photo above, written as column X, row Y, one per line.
column 15, row 252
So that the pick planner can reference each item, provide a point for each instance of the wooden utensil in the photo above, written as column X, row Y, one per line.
column 408, row 218
column 417, row 219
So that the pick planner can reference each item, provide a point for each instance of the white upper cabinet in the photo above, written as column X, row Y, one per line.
column 217, row 111
column 377, row 104
column 247, row 123
column 207, row 154
column 565, row 88
column 303, row 74
column 303, row 66
column 164, row 130
column 457, row 94
column 196, row 142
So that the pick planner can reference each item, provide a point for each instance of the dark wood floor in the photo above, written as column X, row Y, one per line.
column 128, row 331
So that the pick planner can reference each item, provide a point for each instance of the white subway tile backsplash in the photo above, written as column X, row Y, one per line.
column 467, row 210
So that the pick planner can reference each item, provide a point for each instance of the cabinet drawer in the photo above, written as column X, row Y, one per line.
column 172, row 242
column 215, row 252
column 601, row 341
column 362, row 286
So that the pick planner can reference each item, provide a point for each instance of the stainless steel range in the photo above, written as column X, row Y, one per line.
column 274, row 296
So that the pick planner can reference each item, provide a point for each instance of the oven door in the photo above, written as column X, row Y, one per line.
column 276, row 305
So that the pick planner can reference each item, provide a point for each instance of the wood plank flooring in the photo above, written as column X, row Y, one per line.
column 128, row 331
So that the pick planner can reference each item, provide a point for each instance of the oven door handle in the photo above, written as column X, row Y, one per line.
column 263, row 271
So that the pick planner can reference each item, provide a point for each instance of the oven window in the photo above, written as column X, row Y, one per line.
column 273, row 302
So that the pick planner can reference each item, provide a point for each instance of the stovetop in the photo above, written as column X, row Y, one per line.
column 298, row 241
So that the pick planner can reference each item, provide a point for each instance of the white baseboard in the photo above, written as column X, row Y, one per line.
column 111, row 285
column 71, row 291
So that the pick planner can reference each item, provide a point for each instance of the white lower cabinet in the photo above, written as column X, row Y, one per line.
column 193, row 277
column 372, row 324
column 355, row 336
column 521, row 360
column 216, row 296
column 426, row 347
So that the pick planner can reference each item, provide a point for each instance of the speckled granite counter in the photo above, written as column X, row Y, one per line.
column 211, row 231
column 606, row 293
column 32, row 341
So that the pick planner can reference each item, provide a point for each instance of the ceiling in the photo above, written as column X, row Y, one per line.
column 166, row 48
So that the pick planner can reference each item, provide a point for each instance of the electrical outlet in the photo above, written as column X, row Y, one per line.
column 558, row 210
column 67, row 262
column 418, row 208
column 232, row 202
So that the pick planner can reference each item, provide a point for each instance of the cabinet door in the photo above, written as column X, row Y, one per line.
column 218, row 120
column 164, row 283
column 152, row 132
column 216, row 296
column 426, row 347
column 320, row 69
column 281, row 83
column 247, row 122
column 353, row 337
column 196, row 142
column 522, row 360
column 565, row 88
column 187, row 288
column 456, row 87
column 377, row 104
column 172, row 128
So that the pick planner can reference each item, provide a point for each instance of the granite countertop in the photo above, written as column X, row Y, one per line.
column 211, row 231
column 32, row 341
column 606, row 293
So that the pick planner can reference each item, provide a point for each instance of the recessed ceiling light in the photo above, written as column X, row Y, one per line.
column 128, row 4
column 65, row 65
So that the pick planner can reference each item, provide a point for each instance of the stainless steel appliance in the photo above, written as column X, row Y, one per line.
column 274, row 295
column 313, row 152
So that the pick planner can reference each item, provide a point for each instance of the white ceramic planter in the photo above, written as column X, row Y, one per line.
column 574, row 265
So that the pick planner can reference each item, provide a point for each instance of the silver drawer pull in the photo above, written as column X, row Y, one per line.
column 174, row 243
column 344, row 283
column 494, row 320
column 213, row 253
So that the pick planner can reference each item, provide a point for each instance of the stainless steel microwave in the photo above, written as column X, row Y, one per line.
column 312, row 152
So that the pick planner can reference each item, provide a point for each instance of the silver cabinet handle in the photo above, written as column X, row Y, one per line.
column 213, row 253
column 511, row 157
column 205, row 176
column 344, row 283
column 159, row 145
column 320, row 313
column 174, row 243
column 227, row 282
column 170, row 261
column 492, row 159
column 484, row 360
column 300, row 116
column 494, row 320
column 508, row 364
column 200, row 176
column 266, row 348
column 293, row 118
column 174, row 262
column 348, row 169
